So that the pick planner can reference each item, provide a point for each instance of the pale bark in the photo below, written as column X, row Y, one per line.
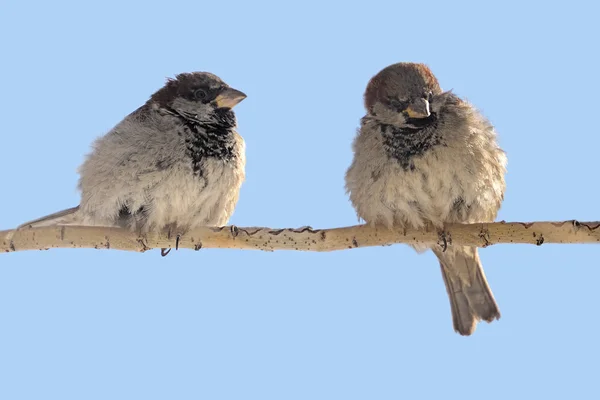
column 302, row 239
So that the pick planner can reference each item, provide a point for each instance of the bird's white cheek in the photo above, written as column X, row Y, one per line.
column 198, row 110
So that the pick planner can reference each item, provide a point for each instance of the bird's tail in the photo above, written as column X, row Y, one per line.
column 70, row 216
column 471, row 298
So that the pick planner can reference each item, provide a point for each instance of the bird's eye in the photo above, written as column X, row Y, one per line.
column 430, row 96
column 398, row 105
column 200, row 94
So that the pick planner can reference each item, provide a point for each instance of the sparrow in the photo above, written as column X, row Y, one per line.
column 173, row 164
column 422, row 158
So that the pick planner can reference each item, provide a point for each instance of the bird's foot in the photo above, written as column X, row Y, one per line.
column 444, row 239
column 171, row 228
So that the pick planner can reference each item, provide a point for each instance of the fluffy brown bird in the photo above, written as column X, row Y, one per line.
column 422, row 158
column 174, row 164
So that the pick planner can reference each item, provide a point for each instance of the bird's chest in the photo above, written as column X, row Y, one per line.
column 425, row 186
column 204, row 182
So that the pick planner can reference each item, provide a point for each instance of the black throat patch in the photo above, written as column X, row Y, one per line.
column 410, row 141
column 214, row 138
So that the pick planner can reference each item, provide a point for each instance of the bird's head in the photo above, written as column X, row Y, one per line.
column 199, row 95
column 403, row 93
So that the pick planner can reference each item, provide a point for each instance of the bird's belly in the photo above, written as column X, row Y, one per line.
column 427, row 194
column 188, row 200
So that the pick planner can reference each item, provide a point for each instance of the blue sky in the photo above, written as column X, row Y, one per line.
column 359, row 324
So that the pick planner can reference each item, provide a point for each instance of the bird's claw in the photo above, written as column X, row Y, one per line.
column 444, row 239
column 164, row 251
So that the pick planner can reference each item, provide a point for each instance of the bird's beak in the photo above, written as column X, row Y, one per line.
column 418, row 109
column 229, row 98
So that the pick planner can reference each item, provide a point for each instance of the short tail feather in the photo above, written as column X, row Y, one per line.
column 70, row 216
column 471, row 298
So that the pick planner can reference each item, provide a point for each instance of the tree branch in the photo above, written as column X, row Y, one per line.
column 302, row 239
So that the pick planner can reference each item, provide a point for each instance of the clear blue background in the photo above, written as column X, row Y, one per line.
column 359, row 324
